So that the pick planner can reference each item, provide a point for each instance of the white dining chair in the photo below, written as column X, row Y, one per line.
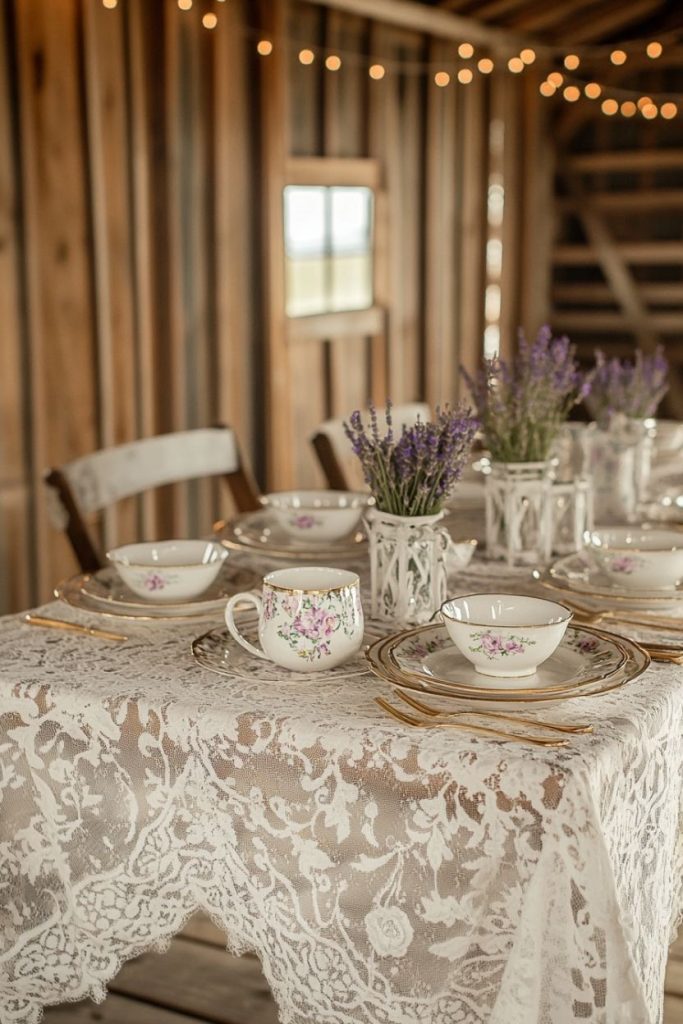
column 88, row 485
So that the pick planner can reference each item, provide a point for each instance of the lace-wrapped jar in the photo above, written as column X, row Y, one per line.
column 618, row 460
column 519, row 512
column 407, row 566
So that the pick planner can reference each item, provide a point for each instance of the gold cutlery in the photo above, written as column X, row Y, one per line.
column 73, row 627
column 536, row 723
column 481, row 730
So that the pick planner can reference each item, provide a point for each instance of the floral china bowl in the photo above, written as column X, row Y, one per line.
column 505, row 634
column 170, row 570
column 636, row 558
column 317, row 516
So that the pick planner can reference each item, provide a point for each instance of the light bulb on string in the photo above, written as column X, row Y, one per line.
column 442, row 78
column 527, row 55
column 109, row 4
column 209, row 20
column 628, row 108
column 547, row 89
column 649, row 110
column 333, row 62
column 466, row 50
column 571, row 93
column 609, row 107
column 184, row 5
column 654, row 49
column 465, row 76
column 571, row 62
column 618, row 57
column 556, row 78
column 515, row 64
column 485, row 65
column 643, row 102
column 376, row 71
column 306, row 56
column 593, row 90
column 264, row 47
column 668, row 110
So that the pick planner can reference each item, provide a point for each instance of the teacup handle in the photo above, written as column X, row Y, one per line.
column 230, row 620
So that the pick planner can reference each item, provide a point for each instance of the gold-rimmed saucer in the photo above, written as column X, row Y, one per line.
column 626, row 661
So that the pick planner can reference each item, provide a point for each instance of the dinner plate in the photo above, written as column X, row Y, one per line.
column 587, row 663
column 219, row 652
column 576, row 574
column 103, row 593
column 260, row 533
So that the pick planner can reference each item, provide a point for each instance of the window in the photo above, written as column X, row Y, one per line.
column 328, row 248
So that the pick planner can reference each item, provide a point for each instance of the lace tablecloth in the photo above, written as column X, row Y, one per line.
column 383, row 876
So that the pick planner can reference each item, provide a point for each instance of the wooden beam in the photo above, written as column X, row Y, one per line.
column 597, row 25
column 593, row 293
column 541, row 16
column 611, row 322
column 431, row 21
column 624, row 201
column 325, row 326
column 623, row 161
column 661, row 253
column 274, row 136
column 329, row 170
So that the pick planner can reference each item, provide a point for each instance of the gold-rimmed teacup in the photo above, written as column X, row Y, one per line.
column 310, row 618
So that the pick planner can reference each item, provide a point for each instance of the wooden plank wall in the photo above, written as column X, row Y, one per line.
column 142, row 159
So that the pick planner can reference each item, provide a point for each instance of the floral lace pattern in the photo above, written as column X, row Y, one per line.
column 381, row 874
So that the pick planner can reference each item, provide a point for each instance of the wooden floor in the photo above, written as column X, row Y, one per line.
column 197, row 982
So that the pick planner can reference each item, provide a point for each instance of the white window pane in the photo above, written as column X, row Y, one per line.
column 351, row 216
column 305, row 227
column 306, row 287
column 351, row 282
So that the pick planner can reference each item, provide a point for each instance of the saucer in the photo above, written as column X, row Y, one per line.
column 217, row 651
column 576, row 574
column 260, row 532
column 587, row 662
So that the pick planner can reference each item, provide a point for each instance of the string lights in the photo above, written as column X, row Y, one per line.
column 578, row 80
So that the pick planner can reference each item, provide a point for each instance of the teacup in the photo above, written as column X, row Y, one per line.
column 317, row 516
column 505, row 634
column 169, row 570
column 310, row 618
column 638, row 559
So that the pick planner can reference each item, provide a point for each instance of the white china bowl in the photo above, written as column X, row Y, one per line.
column 505, row 634
column 638, row 559
column 317, row 516
column 169, row 570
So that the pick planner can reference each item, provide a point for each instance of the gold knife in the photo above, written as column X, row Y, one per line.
column 74, row 627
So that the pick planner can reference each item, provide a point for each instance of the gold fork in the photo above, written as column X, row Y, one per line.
column 481, row 730
column 425, row 709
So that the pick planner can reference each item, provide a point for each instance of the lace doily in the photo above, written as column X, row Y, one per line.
column 383, row 876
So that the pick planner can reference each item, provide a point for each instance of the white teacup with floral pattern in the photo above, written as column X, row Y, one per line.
column 505, row 634
column 310, row 618
column 638, row 559
column 317, row 516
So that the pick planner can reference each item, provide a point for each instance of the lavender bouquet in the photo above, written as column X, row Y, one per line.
column 412, row 475
column 632, row 388
column 522, row 405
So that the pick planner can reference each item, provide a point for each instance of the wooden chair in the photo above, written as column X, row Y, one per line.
column 90, row 484
column 340, row 466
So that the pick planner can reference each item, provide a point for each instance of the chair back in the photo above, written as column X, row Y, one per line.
column 341, row 467
column 89, row 484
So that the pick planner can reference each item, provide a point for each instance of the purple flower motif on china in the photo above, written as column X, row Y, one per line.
column 624, row 563
column 269, row 605
column 492, row 644
column 514, row 647
column 587, row 644
column 303, row 522
column 153, row 581
column 495, row 645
